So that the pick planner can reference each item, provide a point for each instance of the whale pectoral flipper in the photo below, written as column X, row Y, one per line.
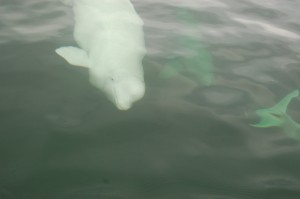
column 74, row 56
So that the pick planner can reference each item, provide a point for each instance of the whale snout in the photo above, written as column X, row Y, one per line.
column 127, row 92
column 123, row 106
column 123, row 91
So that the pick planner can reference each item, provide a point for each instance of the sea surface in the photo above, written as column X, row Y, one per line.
column 210, row 66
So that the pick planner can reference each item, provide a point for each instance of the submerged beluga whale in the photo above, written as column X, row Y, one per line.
column 111, row 40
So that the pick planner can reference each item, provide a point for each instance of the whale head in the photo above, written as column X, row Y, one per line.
column 123, row 91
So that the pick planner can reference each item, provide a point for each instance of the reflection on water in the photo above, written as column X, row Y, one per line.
column 31, row 21
column 189, row 137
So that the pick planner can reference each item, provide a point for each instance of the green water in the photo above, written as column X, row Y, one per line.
column 210, row 66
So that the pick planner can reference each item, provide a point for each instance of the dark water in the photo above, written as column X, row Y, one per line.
column 210, row 65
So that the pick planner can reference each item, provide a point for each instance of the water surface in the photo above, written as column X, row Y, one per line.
column 210, row 65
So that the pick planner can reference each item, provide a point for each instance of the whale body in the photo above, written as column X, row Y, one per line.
column 110, row 37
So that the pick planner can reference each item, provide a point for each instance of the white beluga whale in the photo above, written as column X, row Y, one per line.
column 110, row 37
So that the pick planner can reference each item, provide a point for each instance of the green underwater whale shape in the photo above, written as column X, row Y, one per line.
column 277, row 116
column 200, row 65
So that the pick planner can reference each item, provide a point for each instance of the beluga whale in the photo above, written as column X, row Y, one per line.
column 110, row 39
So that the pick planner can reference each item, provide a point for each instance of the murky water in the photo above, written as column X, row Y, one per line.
column 210, row 66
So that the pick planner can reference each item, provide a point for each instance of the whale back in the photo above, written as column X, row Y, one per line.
column 94, row 18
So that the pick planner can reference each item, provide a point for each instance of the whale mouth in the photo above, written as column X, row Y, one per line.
column 123, row 92
column 120, row 105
